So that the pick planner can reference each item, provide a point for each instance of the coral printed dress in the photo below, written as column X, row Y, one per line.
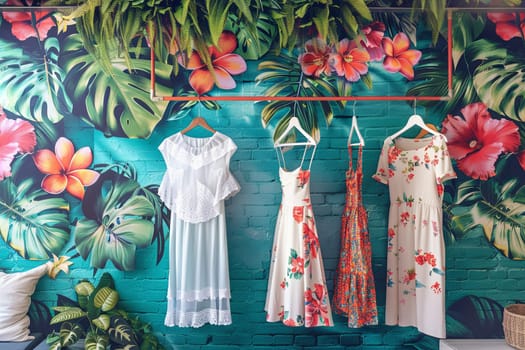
column 297, row 293
column 354, row 292
column 414, row 170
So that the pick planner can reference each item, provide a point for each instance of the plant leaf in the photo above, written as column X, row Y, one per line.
column 106, row 299
column 34, row 223
column 67, row 314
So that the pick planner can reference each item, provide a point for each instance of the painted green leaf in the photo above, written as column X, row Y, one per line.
column 31, row 83
column 254, row 39
column 467, row 28
column 499, row 77
column 102, row 322
column 498, row 207
column 34, row 223
column 118, row 220
column 117, row 103
column 121, row 332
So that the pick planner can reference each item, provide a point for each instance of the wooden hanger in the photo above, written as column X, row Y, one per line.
column 416, row 120
column 198, row 121
column 355, row 128
column 294, row 123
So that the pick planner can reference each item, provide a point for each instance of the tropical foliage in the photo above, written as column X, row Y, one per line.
column 96, row 318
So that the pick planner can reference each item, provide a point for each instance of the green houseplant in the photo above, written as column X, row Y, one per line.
column 96, row 318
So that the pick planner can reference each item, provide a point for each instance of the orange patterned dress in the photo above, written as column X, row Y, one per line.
column 354, row 292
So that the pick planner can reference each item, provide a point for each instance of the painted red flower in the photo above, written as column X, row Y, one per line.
column 350, row 61
column 315, row 61
column 507, row 24
column 303, row 177
column 374, row 33
column 66, row 169
column 436, row 287
column 477, row 140
column 16, row 136
column 398, row 57
column 410, row 276
column 310, row 239
column 289, row 322
column 22, row 22
column 225, row 64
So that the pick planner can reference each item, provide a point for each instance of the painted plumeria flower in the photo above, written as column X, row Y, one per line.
column 315, row 61
column 21, row 22
column 16, row 136
column 476, row 140
column 350, row 60
column 507, row 25
column 66, row 169
column 225, row 64
column 398, row 56
column 373, row 37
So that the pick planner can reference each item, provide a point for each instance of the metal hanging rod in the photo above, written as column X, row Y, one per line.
column 7, row 8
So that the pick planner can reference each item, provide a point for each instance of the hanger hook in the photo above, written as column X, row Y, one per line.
column 353, row 107
column 415, row 105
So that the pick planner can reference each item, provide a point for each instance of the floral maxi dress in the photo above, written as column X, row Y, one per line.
column 354, row 292
column 297, row 293
column 414, row 170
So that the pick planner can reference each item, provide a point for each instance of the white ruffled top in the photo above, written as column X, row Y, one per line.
column 197, row 177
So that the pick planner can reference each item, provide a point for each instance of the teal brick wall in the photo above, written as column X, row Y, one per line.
column 474, row 267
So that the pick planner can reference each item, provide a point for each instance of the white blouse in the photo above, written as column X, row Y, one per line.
column 198, row 177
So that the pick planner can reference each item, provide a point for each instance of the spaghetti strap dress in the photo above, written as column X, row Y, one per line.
column 297, row 294
column 354, row 290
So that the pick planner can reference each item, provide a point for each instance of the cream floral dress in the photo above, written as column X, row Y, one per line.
column 414, row 170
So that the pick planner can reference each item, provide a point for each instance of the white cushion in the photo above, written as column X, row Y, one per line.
column 16, row 290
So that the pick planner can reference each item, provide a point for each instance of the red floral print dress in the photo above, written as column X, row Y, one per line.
column 297, row 293
column 414, row 170
column 354, row 291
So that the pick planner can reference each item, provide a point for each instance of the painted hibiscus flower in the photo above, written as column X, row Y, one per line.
column 316, row 306
column 477, row 140
column 373, row 37
column 225, row 64
column 22, row 22
column 507, row 24
column 350, row 61
column 398, row 57
column 65, row 169
column 315, row 61
column 16, row 136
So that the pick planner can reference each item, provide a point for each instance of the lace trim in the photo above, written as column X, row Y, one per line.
column 199, row 319
column 196, row 155
column 203, row 294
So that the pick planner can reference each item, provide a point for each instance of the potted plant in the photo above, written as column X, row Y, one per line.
column 95, row 319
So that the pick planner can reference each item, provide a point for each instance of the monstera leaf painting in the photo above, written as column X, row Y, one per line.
column 498, row 207
column 31, row 83
column 32, row 222
column 114, row 99
column 499, row 77
column 118, row 220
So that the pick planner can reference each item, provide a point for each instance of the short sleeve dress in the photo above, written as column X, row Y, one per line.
column 414, row 170
column 196, row 183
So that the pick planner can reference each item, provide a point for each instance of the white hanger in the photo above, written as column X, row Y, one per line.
column 416, row 120
column 294, row 123
column 355, row 128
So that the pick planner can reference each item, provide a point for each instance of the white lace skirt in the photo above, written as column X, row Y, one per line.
column 199, row 282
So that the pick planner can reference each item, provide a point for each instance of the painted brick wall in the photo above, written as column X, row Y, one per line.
column 473, row 266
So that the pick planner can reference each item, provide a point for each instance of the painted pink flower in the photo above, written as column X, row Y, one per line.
column 16, row 136
column 225, row 64
column 298, row 265
column 66, row 169
column 315, row 61
column 477, row 140
column 507, row 24
column 350, row 61
column 374, row 33
column 398, row 57
column 22, row 22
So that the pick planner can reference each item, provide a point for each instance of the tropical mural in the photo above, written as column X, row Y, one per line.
column 93, row 64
